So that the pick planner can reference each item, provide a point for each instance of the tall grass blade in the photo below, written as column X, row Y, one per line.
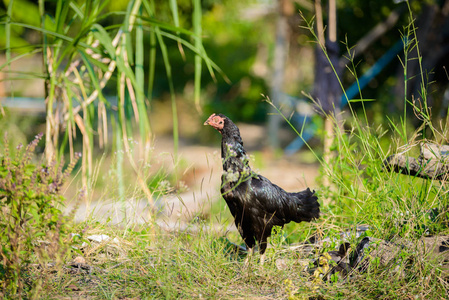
column 144, row 124
column 8, row 49
column 151, row 65
column 149, row 8
column 197, row 29
column 166, row 59
column 62, row 10
column 174, row 10
column 119, row 167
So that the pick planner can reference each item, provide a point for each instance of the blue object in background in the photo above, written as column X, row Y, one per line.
column 300, row 120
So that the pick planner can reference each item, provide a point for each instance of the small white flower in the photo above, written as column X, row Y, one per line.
column 231, row 152
column 182, row 186
column 244, row 158
column 231, row 176
column 164, row 185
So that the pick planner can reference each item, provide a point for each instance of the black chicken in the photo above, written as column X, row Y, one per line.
column 256, row 204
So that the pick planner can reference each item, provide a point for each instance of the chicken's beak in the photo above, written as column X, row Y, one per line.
column 209, row 119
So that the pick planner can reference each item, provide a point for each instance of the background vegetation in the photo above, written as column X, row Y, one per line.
column 111, row 72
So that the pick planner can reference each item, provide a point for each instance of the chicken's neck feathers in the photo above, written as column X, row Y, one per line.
column 235, row 160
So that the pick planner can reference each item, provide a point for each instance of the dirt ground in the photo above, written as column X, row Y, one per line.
column 202, row 176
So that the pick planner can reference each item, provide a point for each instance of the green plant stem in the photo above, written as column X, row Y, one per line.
column 49, row 146
column 197, row 29
column 119, row 168
column 172, row 92
column 8, row 43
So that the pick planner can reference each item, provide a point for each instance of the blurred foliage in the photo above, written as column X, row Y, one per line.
column 235, row 36
column 355, row 19
column 234, row 46
column 98, row 63
column 20, row 127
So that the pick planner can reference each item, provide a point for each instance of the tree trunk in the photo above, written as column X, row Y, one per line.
column 280, row 57
column 327, row 90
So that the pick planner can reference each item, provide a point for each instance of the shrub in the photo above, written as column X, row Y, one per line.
column 32, row 228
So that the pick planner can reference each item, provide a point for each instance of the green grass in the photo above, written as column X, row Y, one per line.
column 182, row 265
column 199, row 260
column 200, row 264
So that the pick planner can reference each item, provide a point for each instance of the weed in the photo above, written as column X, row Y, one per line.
column 32, row 228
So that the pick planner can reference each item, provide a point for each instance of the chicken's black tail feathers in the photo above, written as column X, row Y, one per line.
column 307, row 208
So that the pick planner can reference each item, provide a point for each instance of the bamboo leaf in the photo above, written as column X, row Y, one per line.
column 126, row 28
column 49, row 32
column 174, row 10
column 95, row 62
column 76, row 9
column 123, row 67
column 101, row 34
column 202, row 54
column 62, row 9
column 162, row 25
column 23, row 75
column 93, row 77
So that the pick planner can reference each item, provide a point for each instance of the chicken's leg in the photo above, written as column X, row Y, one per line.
column 249, row 255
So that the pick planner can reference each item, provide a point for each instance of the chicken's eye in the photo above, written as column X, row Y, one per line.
column 221, row 122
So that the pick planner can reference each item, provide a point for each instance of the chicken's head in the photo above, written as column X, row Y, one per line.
column 216, row 121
